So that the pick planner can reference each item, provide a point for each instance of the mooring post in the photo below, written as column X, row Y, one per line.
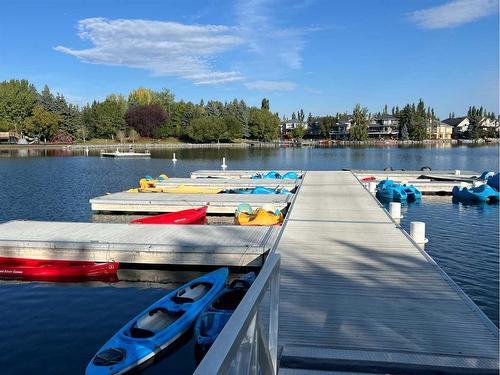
column 224, row 166
column 372, row 187
column 457, row 172
column 174, row 159
column 395, row 210
column 417, row 232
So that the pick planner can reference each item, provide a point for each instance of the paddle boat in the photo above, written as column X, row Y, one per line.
column 482, row 193
column 493, row 181
column 368, row 179
column 56, row 270
column 265, row 216
column 273, row 175
column 217, row 313
column 182, row 189
column 158, row 326
column 391, row 190
column 191, row 216
column 485, row 175
column 259, row 190
column 148, row 181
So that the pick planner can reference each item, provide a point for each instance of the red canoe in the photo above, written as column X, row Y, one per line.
column 21, row 268
column 371, row 178
column 191, row 216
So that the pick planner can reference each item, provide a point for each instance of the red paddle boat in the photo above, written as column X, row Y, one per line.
column 38, row 269
column 191, row 216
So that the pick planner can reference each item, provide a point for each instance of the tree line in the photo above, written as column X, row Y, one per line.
column 143, row 113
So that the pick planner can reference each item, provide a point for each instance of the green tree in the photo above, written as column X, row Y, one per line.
column 207, row 128
column 301, row 115
column 42, row 123
column 263, row 124
column 17, row 101
column 234, row 127
column 299, row 132
column 359, row 128
column 265, row 104
column 107, row 118
column 141, row 96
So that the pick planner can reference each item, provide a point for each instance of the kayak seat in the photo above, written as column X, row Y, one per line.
column 140, row 333
column 192, row 293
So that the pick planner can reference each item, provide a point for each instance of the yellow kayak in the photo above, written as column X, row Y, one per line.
column 183, row 189
column 259, row 217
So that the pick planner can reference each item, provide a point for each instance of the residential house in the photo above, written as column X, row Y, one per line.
column 8, row 137
column 383, row 126
column 341, row 129
column 313, row 129
column 460, row 125
column 287, row 127
column 439, row 130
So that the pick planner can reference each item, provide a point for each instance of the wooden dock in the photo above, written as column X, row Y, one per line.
column 358, row 295
column 194, row 245
column 235, row 174
column 166, row 202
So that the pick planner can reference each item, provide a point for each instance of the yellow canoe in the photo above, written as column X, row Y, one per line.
column 259, row 217
column 183, row 189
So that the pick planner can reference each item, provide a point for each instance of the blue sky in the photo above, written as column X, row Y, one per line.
column 320, row 55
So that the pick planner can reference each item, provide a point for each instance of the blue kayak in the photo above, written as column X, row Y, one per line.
column 216, row 314
column 483, row 193
column 158, row 326
column 259, row 190
column 391, row 190
column 494, row 181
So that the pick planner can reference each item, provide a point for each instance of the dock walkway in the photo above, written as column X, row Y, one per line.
column 356, row 293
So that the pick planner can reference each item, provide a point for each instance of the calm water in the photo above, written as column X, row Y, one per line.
column 56, row 328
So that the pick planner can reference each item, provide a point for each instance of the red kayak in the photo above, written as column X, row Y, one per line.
column 21, row 268
column 368, row 179
column 191, row 216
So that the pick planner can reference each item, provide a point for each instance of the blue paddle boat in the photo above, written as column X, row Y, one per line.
column 217, row 313
column 259, row 190
column 486, row 175
column 482, row 193
column 158, row 326
column 273, row 175
column 494, row 181
column 390, row 190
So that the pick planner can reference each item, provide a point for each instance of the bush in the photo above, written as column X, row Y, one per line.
column 146, row 119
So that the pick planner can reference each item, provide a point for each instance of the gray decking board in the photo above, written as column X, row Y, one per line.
column 350, row 278
column 228, row 183
column 133, row 243
column 167, row 202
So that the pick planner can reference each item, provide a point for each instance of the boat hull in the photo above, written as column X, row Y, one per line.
column 191, row 216
column 37, row 269
column 483, row 193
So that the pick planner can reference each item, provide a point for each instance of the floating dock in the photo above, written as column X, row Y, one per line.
column 240, row 183
column 194, row 245
column 358, row 295
column 166, row 202
column 237, row 173
column 126, row 155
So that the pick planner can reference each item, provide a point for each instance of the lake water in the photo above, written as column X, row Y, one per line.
column 49, row 328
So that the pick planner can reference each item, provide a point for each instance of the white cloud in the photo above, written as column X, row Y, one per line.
column 271, row 85
column 453, row 14
column 163, row 48
column 312, row 90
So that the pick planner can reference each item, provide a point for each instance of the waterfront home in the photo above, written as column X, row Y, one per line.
column 8, row 137
column 460, row 125
column 383, row 126
column 287, row 126
column 341, row 129
column 439, row 130
column 313, row 129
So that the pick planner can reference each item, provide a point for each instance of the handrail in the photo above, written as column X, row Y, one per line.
column 218, row 359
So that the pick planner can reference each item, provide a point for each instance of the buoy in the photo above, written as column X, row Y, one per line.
column 174, row 159
column 223, row 166
column 417, row 232
column 457, row 172
column 395, row 210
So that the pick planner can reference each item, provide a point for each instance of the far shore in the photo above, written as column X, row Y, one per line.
column 289, row 143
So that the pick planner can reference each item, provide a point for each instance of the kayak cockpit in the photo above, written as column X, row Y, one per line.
column 192, row 293
column 154, row 321
column 109, row 357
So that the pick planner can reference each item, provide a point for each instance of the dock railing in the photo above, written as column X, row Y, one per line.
column 248, row 344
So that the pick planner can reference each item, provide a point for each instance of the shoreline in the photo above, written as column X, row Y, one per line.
column 303, row 143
